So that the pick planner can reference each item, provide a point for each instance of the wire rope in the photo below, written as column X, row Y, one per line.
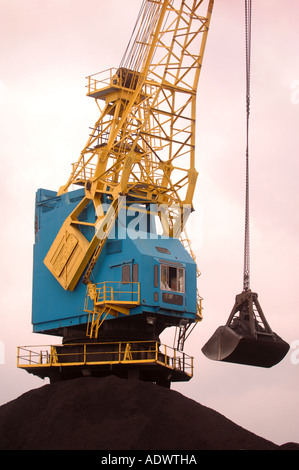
column 248, row 15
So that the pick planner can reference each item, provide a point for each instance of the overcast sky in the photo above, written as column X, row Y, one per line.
column 47, row 48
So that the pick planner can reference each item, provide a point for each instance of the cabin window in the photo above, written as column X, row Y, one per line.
column 172, row 278
column 126, row 274
column 175, row 299
column 161, row 249
column 156, row 275
column 135, row 270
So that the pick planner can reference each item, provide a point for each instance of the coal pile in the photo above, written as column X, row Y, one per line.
column 117, row 414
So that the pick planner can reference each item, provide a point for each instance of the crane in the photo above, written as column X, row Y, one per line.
column 113, row 265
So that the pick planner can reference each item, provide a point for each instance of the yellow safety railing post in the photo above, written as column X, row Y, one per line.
column 174, row 358
column 112, row 294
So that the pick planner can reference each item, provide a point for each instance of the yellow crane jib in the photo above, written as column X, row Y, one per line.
column 144, row 141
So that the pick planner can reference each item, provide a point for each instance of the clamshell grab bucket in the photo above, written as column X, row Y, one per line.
column 227, row 346
column 247, row 337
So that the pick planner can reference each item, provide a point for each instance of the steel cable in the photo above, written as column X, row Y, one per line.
column 248, row 15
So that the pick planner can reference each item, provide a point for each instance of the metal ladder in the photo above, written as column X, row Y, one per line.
column 96, row 321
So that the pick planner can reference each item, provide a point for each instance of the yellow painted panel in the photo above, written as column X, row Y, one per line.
column 68, row 255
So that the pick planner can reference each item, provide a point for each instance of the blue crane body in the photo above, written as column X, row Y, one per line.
column 134, row 254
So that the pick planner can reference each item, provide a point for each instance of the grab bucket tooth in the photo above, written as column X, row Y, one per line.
column 247, row 337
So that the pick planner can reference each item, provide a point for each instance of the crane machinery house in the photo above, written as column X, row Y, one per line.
column 145, row 274
column 113, row 266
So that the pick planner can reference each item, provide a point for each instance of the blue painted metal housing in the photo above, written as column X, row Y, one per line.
column 129, row 256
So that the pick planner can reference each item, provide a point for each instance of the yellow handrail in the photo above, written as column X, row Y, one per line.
column 134, row 352
column 107, row 293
